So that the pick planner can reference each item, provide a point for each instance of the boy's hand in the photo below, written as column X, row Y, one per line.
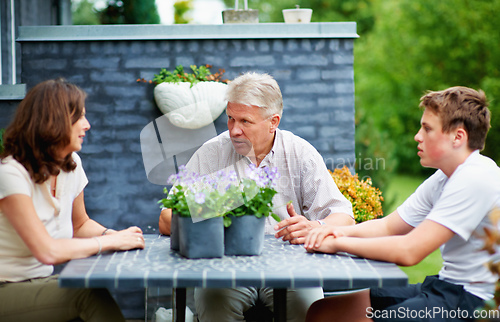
column 316, row 236
column 328, row 245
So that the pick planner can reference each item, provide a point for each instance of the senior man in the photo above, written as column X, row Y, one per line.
column 254, row 111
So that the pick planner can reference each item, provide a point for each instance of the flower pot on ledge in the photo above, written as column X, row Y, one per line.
column 240, row 16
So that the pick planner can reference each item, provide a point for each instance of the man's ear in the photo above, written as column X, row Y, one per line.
column 275, row 121
column 461, row 137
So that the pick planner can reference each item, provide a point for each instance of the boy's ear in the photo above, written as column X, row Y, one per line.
column 461, row 137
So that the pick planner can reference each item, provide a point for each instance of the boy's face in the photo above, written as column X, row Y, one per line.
column 434, row 146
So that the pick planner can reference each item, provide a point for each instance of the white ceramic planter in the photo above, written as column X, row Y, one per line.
column 297, row 15
column 191, row 107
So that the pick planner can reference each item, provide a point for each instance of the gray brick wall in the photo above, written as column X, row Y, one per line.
column 316, row 77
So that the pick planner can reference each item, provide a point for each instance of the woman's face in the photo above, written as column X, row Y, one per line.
column 78, row 130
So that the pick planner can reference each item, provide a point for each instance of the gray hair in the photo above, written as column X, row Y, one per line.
column 255, row 89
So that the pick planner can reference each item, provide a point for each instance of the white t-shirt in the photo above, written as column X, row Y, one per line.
column 461, row 203
column 17, row 263
column 304, row 178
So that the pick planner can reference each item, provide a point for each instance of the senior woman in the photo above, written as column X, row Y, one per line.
column 43, row 221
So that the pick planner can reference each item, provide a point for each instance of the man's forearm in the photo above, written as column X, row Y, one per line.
column 339, row 219
column 165, row 221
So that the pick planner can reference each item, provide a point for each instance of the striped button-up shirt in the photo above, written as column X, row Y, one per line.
column 304, row 178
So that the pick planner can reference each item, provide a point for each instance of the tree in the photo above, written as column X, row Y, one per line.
column 419, row 45
column 130, row 12
column 323, row 10
column 84, row 13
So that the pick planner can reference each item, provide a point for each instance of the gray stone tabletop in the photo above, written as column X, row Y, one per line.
column 281, row 265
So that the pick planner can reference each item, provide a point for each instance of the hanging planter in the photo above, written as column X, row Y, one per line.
column 191, row 106
column 190, row 100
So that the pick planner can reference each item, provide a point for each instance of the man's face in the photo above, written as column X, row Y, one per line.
column 433, row 145
column 250, row 132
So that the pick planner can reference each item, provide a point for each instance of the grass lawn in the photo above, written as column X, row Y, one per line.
column 401, row 187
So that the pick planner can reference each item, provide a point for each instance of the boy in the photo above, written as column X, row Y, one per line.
column 449, row 210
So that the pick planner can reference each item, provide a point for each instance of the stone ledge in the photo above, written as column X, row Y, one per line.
column 12, row 92
column 158, row 32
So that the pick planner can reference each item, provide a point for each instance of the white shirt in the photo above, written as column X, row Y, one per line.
column 461, row 203
column 304, row 178
column 17, row 263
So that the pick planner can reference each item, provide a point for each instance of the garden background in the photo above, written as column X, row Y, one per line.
column 406, row 47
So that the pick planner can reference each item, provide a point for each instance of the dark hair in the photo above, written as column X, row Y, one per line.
column 461, row 106
column 41, row 128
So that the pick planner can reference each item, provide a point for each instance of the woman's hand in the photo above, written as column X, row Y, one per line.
column 130, row 238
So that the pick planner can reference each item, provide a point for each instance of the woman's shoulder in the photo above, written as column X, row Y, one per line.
column 9, row 165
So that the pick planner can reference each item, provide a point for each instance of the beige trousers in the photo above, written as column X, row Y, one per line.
column 219, row 305
column 42, row 299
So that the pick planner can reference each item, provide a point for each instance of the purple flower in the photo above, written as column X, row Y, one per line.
column 199, row 198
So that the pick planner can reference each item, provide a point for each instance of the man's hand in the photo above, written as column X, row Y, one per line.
column 295, row 228
column 315, row 238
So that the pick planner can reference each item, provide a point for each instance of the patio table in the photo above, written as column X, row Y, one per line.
column 280, row 266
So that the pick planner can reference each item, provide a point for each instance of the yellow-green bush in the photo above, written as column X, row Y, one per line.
column 366, row 200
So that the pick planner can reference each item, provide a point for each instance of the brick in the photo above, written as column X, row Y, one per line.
column 264, row 46
column 305, row 44
column 308, row 73
column 306, row 132
column 298, row 103
column 305, row 60
column 222, row 45
column 112, row 77
column 123, row 119
column 330, row 131
column 208, row 46
column 308, row 88
column 336, row 102
column 48, row 64
column 282, row 74
column 97, row 62
column 343, row 144
column 344, row 87
column 250, row 45
column 147, row 62
column 334, row 44
column 319, row 44
column 348, row 44
column 129, row 91
column 185, row 61
column 251, row 61
column 278, row 45
column 341, row 73
column 343, row 58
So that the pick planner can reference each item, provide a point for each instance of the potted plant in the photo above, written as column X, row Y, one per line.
column 196, row 200
column 366, row 200
column 244, row 225
column 190, row 100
